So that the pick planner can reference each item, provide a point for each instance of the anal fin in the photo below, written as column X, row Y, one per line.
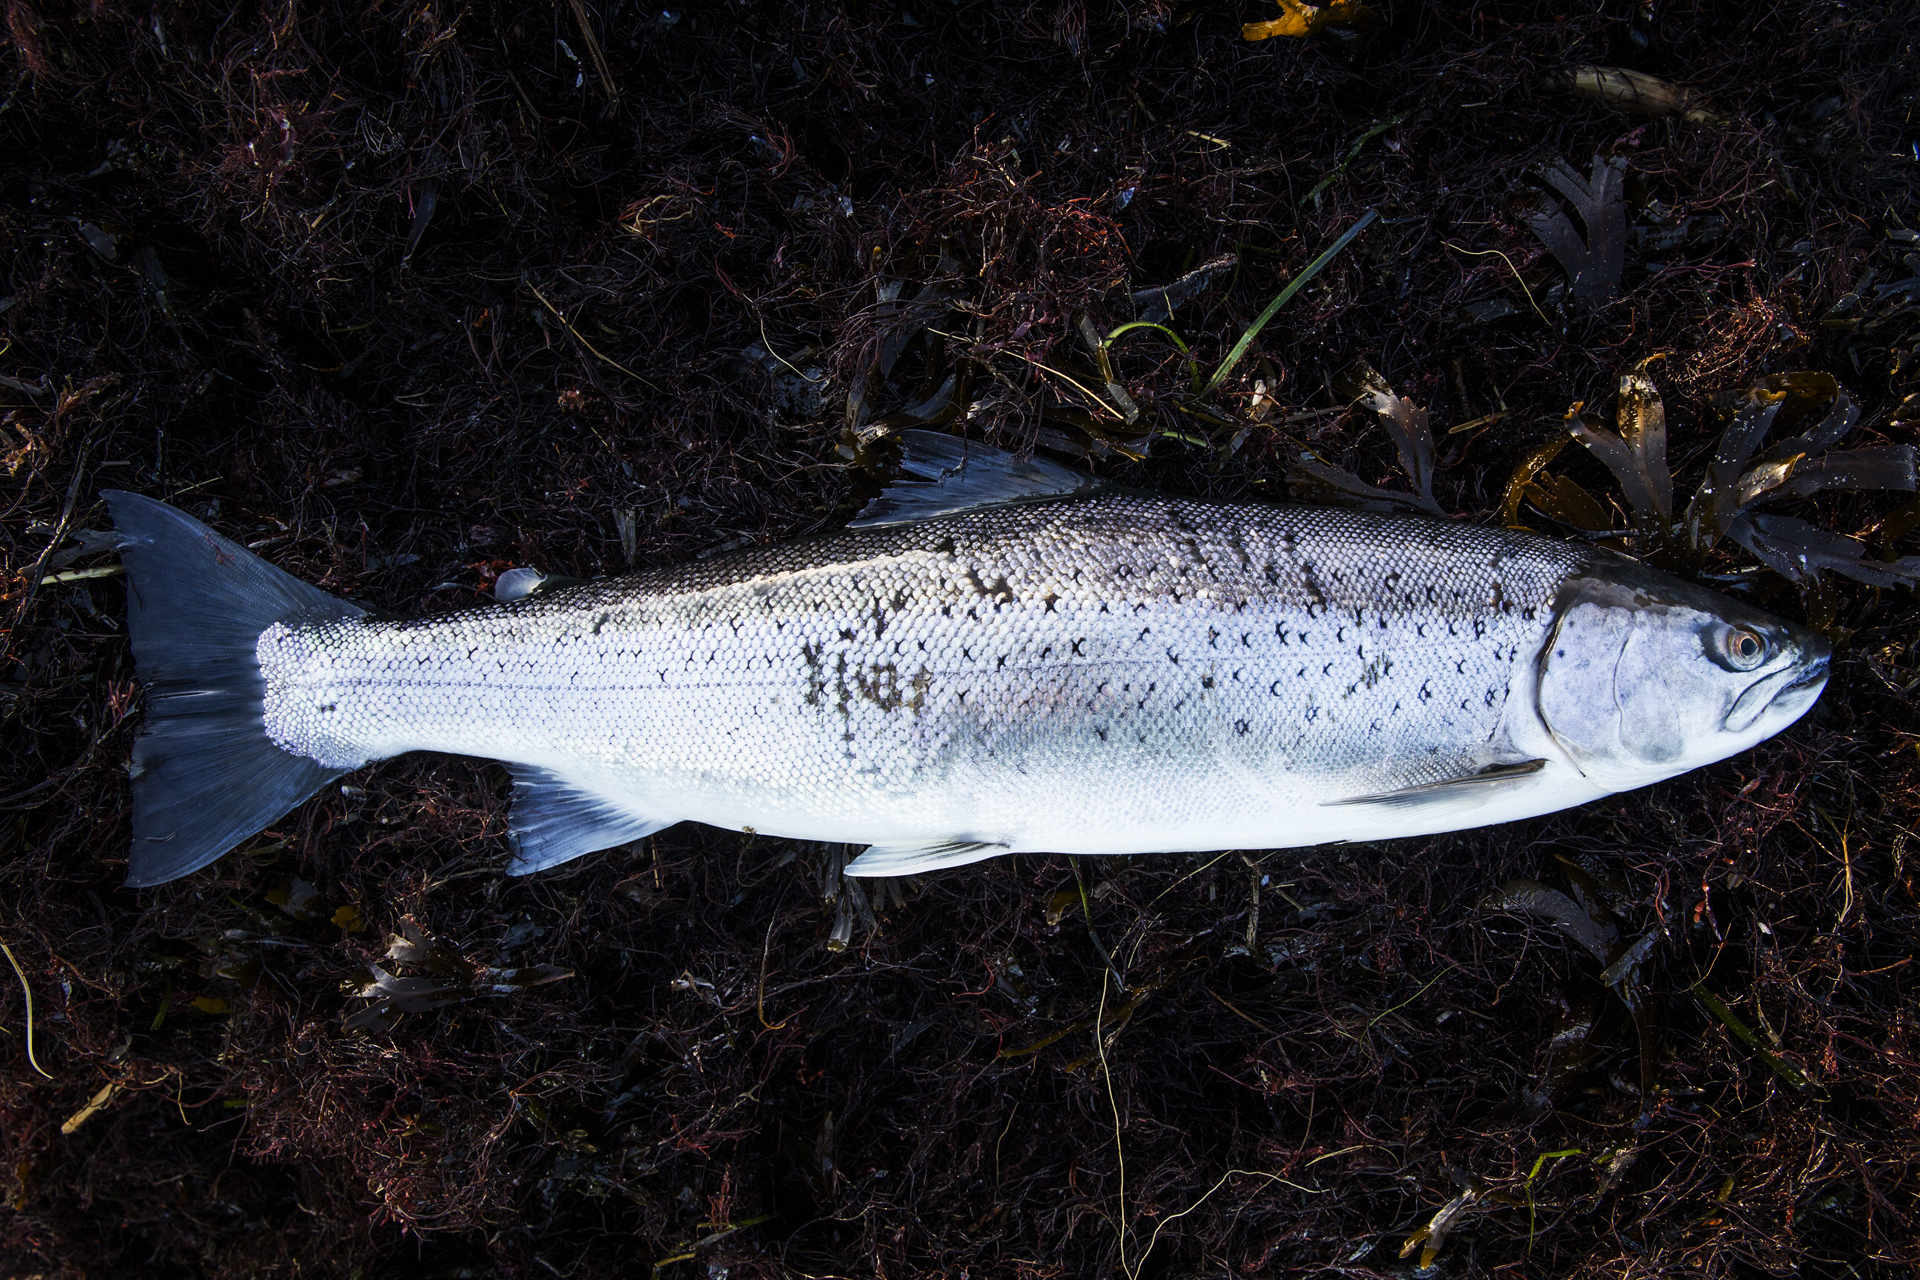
column 553, row 820
column 1471, row 789
column 912, row 860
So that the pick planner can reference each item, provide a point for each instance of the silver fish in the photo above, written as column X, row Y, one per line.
column 1003, row 658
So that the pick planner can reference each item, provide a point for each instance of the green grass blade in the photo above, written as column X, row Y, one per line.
column 1731, row 1021
column 1285, row 296
column 1193, row 366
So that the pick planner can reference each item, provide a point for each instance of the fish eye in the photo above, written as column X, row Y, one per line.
column 1739, row 648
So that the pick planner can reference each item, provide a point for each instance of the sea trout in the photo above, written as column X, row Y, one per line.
column 1005, row 658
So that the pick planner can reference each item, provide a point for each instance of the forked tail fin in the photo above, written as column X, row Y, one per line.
column 205, row 774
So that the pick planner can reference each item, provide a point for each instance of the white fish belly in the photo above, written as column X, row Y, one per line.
column 1104, row 675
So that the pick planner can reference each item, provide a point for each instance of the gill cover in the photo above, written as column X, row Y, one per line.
column 1646, row 676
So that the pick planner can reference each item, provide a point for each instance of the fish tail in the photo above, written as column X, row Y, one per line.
column 205, row 774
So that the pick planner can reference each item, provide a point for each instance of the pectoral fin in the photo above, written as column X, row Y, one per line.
column 912, row 860
column 553, row 820
column 1469, row 789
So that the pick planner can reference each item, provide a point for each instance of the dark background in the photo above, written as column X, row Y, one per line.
column 409, row 294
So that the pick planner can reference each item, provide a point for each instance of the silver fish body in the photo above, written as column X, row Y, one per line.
column 1113, row 673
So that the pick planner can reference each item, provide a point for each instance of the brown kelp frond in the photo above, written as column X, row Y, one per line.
column 1590, row 923
column 1799, row 552
column 1741, row 476
column 1637, row 456
column 453, row 978
column 1639, row 94
column 1593, row 261
column 1405, row 423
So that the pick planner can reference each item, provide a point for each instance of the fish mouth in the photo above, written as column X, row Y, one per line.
column 1783, row 695
column 1814, row 672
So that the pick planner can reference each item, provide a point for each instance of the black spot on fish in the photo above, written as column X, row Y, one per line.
column 1314, row 593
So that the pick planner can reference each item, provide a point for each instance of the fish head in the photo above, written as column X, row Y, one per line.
column 1645, row 676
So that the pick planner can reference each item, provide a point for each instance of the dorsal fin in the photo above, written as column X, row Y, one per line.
column 518, row 584
column 941, row 475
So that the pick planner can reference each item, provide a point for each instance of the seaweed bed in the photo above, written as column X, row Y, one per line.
column 411, row 294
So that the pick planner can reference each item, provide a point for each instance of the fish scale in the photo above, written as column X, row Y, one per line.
column 1079, row 676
